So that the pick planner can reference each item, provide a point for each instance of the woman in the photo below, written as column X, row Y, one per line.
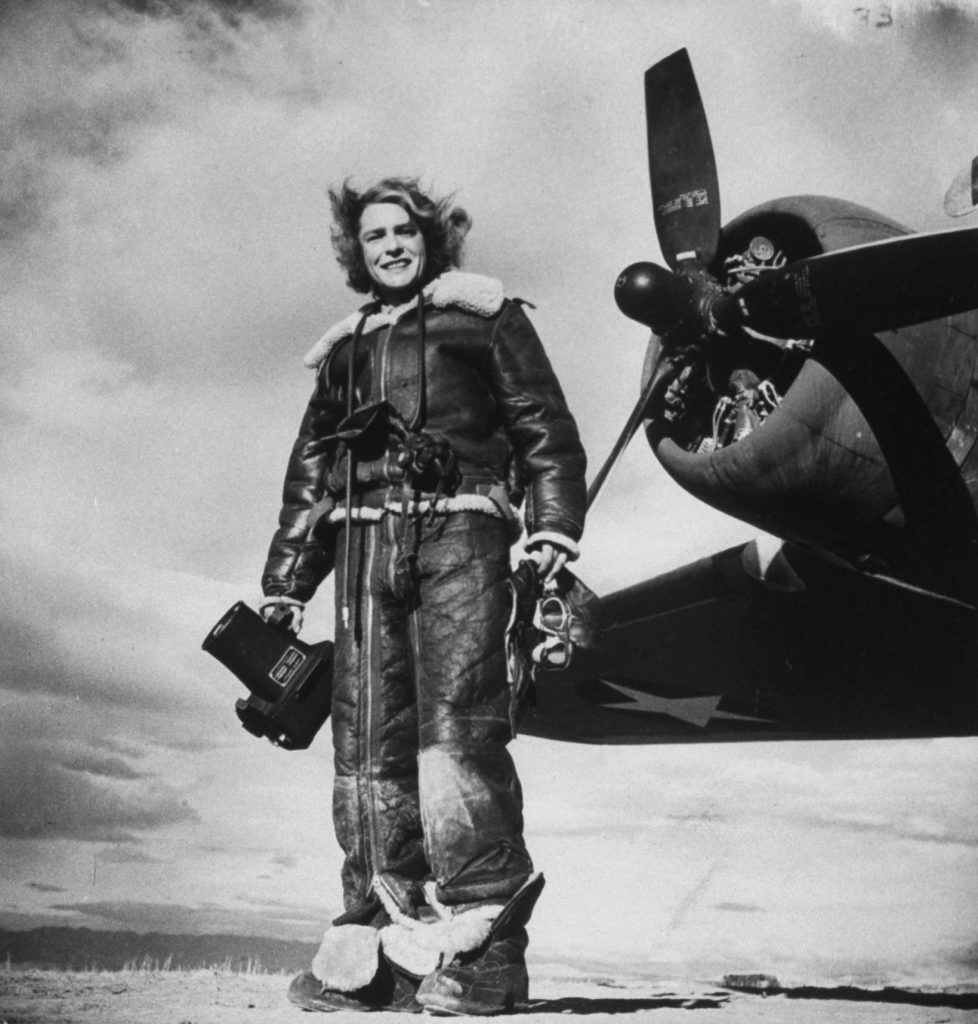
column 435, row 414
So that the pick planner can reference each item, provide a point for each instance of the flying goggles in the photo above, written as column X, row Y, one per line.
column 552, row 620
column 548, row 622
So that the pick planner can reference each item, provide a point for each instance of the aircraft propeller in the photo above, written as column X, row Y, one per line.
column 846, row 292
column 868, row 288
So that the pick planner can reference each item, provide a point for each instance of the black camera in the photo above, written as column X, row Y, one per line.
column 291, row 682
column 429, row 461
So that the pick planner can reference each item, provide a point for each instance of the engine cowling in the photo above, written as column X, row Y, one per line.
column 854, row 446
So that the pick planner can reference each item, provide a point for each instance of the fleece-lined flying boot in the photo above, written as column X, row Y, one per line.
column 390, row 989
column 491, row 979
column 350, row 970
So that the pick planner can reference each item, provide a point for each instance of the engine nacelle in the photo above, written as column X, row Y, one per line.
column 854, row 446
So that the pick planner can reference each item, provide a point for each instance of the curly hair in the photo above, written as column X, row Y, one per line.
column 442, row 225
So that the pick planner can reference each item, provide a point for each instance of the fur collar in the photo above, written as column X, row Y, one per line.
column 472, row 293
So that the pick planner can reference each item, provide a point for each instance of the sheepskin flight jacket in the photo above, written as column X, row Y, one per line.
column 490, row 392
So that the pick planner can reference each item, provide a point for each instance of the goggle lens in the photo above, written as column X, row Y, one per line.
column 552, row 653
column 553, row 615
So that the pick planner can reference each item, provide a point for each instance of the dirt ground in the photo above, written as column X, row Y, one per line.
column 219, row 997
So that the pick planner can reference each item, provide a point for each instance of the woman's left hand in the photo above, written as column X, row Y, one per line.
column 550, row 560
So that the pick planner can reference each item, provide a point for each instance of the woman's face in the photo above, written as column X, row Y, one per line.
column 393, row 250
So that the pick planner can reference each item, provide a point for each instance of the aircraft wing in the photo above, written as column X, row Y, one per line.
column 805, row 648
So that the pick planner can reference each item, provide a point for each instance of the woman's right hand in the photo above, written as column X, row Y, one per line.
column 283, row 612
column 550, row 559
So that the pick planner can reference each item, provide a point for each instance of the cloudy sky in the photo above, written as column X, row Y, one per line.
column 164, row 267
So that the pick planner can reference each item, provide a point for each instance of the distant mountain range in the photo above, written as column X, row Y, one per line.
column 88, row 949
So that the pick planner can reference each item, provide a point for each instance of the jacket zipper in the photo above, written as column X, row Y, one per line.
column 384, row 374
column 383, row 353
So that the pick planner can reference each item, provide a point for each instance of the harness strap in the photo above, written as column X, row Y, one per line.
column 408, row 554
column 421, row 402
column 350, row 460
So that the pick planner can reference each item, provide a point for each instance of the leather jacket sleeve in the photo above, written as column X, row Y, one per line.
column 540, row 427
column 297, row 563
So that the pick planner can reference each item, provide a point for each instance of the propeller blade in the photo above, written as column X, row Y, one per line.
column 627, row 433
column 682, row 169
column 962, row 194
column 869, row 288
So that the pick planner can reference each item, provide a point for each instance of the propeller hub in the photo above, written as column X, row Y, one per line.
column 654, row 296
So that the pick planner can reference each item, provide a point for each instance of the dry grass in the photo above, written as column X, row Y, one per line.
column 153, row 965
column 252, row 965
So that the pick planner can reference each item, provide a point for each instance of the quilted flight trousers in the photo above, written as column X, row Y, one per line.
column 422, row 711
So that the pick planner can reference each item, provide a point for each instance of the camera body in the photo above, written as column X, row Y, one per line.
column 290, row 682
column 429, row 462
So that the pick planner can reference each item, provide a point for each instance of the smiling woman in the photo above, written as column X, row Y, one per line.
column 396, row 205
column 435, row 412
column 394, row 251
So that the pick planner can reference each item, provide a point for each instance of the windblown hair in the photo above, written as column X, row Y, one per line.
column 443, row 227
